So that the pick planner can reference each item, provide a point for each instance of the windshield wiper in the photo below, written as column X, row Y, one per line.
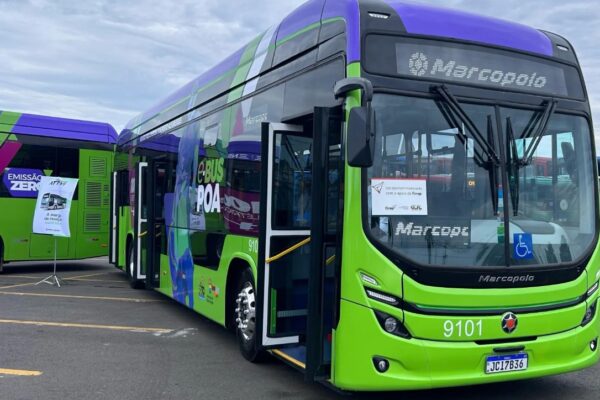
column 512, row 166
column 539, row 133
column 493, row 170
column 493, row 161
column 457, row 110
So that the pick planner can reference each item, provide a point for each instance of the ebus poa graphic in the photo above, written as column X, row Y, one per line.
column 386, row 195
column 33, row 147
column 53, row 202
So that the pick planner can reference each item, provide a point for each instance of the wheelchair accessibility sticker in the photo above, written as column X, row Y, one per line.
column 523, row 246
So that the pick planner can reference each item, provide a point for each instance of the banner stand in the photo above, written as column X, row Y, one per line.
column 53, row 279
column 52, row 211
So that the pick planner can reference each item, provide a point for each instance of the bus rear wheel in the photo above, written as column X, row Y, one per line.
column 134, row 283
column 1, row 258
column 245, row 317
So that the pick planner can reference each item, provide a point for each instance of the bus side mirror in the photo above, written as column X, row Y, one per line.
column 361, row 137
column 361, row 122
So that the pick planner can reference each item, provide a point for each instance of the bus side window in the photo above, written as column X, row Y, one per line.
column 292, row 182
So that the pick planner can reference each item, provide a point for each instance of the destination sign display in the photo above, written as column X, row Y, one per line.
column 471, row 64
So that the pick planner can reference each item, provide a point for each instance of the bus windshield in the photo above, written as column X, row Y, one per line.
column 436, row 198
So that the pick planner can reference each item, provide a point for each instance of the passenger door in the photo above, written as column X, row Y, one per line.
column 140, row 228
column 285, row 231
column 299, row 239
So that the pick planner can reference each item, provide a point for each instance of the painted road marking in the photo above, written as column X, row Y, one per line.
column 136, row 329
column 23, row 276
column 99, row 280
column 124, row 281
column 19, row 372
column 64, row 279
column 70, row 296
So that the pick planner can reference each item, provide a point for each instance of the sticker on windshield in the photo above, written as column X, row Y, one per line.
column 398, row 196
column 522, row 246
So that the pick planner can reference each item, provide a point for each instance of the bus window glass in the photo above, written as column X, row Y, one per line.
column 451, row 219
column 551, row 191
column 292, row 182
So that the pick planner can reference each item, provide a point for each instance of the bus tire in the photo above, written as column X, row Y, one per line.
column 1, row 256
column 134, row 283
column 245, row 317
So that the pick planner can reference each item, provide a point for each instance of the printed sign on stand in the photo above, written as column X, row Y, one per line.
column 53, row 206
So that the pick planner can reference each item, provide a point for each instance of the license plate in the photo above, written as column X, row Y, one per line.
column 508, row 363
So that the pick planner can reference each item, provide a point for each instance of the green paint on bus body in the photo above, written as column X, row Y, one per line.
column 9, row 119
column 85, row 242
column 436, row 356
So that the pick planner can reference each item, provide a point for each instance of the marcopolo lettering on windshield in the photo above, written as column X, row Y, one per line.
column 454, row 232
column 411, row 229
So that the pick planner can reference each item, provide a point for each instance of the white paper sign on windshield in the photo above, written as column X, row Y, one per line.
column 398, row 196
column 53, row 206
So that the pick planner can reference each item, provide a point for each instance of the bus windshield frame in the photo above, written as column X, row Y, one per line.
column 504, row 223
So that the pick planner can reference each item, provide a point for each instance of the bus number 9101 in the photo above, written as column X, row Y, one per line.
column 460, row 328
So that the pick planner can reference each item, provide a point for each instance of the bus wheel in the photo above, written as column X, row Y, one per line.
column 1, row 258
column 134, row 283
column 245, row 317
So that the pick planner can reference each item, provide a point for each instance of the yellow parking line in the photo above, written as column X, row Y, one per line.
column 98, row 280
column 64, row 279
column 71, row 296
column 86, row 326
column 23, row 276
column 19, row 285
column 19, row 372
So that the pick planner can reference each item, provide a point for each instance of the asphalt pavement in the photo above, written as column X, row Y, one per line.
column 96, row 338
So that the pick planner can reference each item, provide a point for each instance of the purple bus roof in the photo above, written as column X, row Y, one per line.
column 422, row 19
column 418, row 19
column 61, row 128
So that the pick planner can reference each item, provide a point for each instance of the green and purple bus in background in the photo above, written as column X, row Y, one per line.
column 32, row 146
column 385, row 195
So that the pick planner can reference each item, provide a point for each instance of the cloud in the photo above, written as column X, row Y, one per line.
column 108, row 59
column 575, row 20
column 111, row 59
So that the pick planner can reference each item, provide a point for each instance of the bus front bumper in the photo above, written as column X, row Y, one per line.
column 423, row 364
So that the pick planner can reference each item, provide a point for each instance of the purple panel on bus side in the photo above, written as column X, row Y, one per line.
column 303, row 16
column 168, row 211
column 22, row 182
column 429, row 20
column 63, row 128
column 350, row 12
column 165, row 144
column 246, row 150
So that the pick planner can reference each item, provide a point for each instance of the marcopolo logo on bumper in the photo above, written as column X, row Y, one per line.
column 514, row 279
column 420, row 65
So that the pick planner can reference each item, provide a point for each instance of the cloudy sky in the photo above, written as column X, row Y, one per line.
column 108, row 60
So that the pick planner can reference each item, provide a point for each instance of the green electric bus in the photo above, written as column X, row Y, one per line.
column 384, row 195
column 32, row 146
